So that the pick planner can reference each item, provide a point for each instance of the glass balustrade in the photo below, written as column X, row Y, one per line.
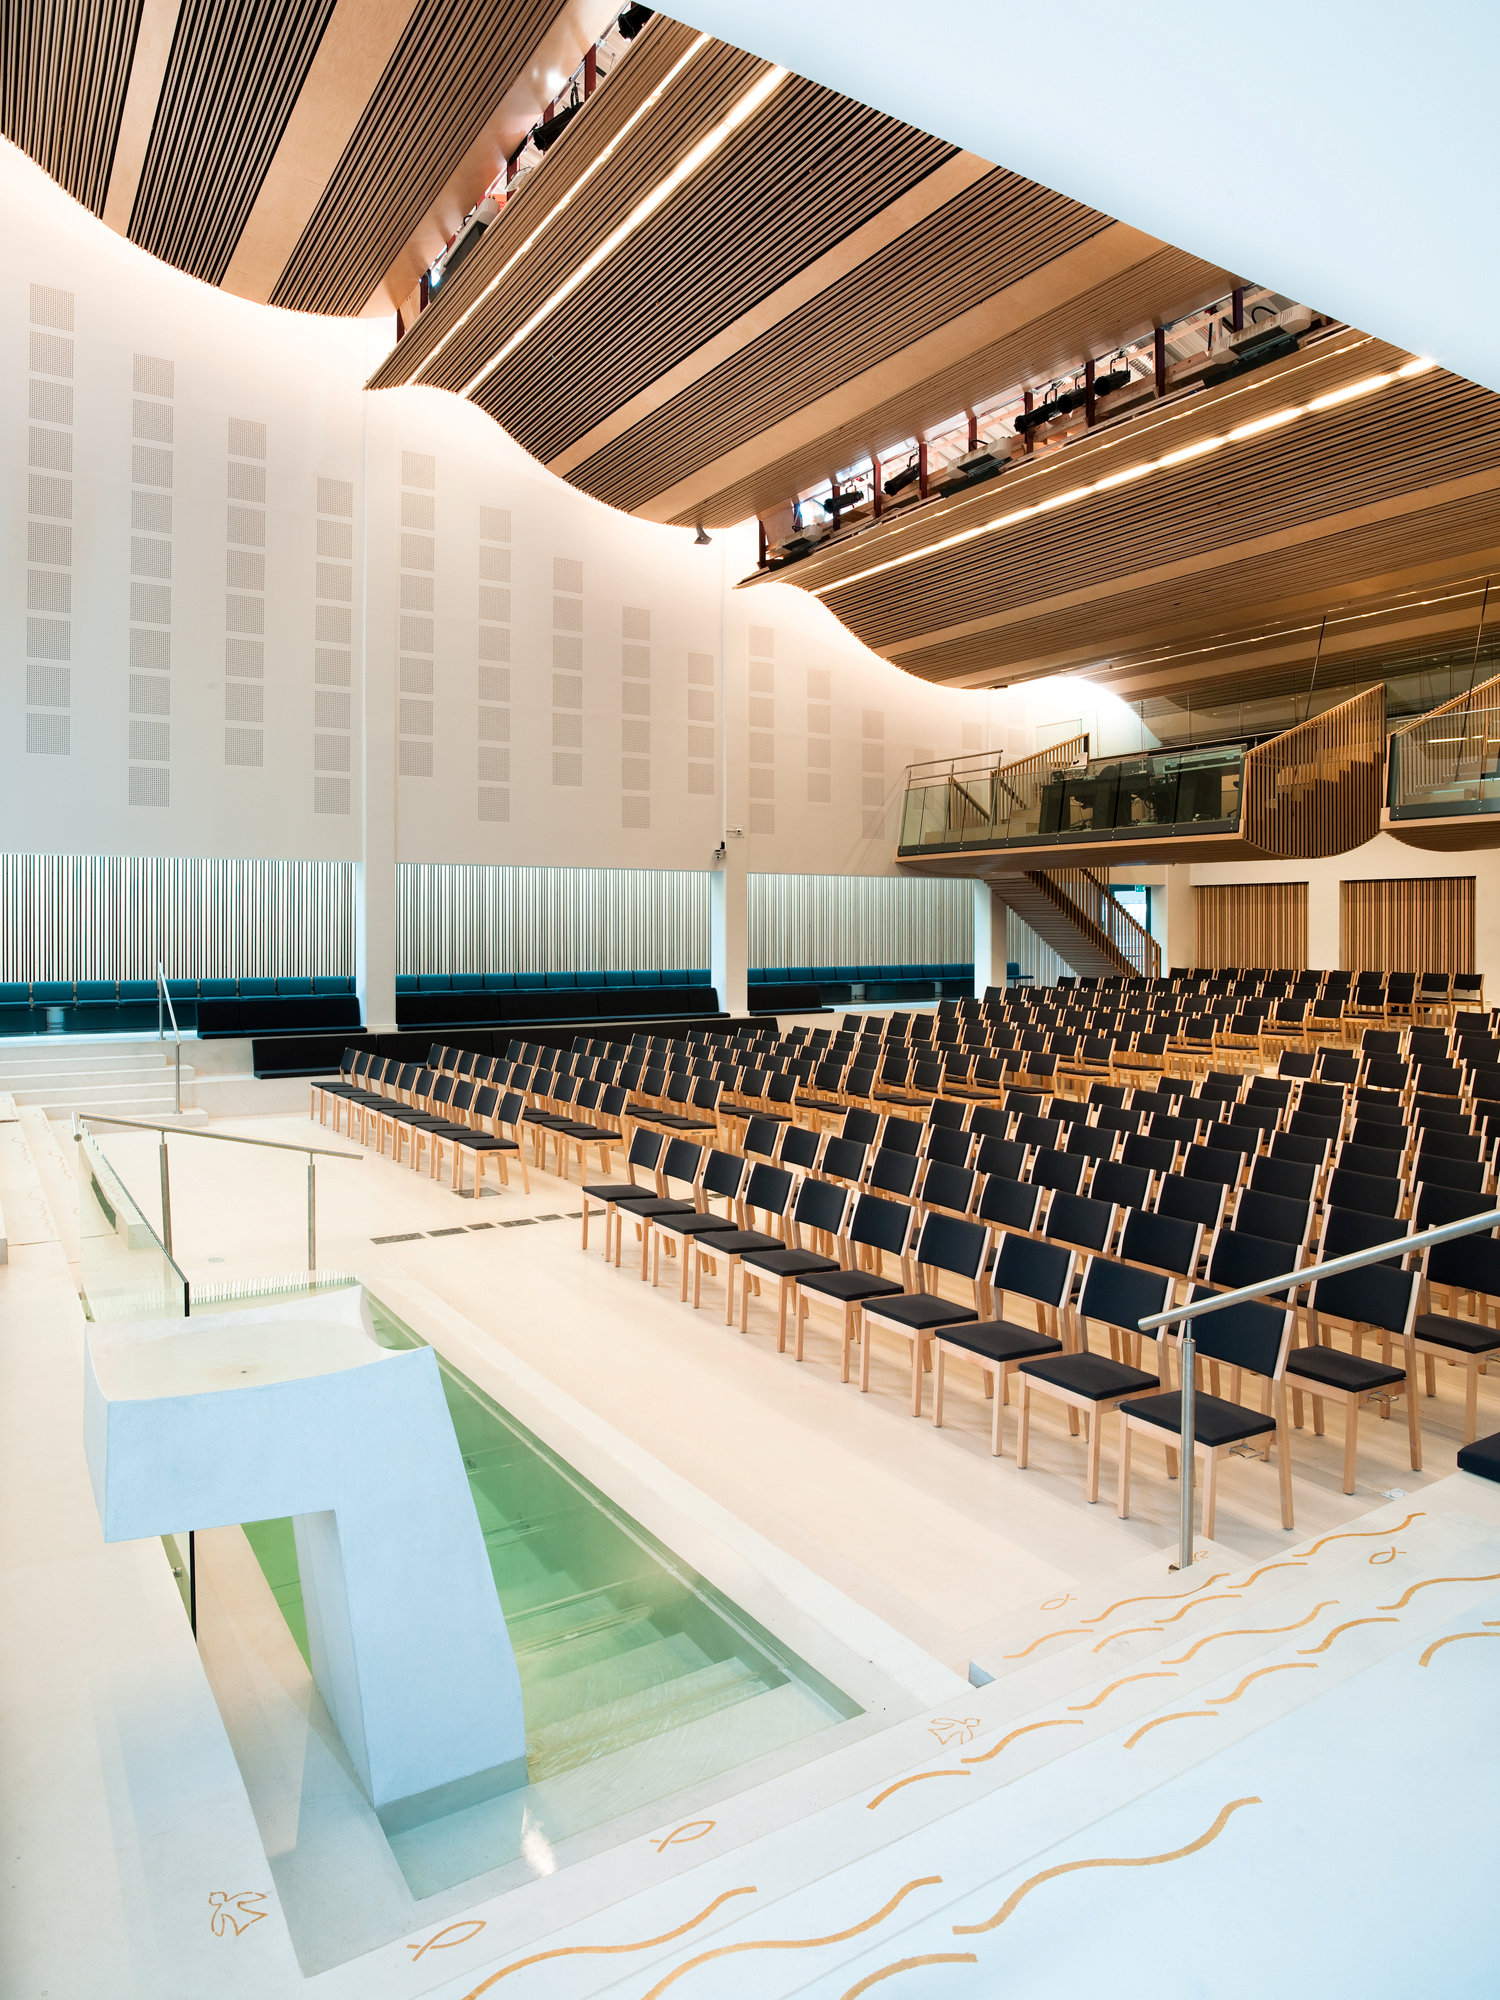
column 974, row 802
column 1447, row 765
column 125, row 1270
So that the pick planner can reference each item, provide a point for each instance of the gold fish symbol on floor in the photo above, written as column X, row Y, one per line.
column 459, row 1933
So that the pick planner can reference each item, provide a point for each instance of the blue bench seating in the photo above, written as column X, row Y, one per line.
column 214, row 1007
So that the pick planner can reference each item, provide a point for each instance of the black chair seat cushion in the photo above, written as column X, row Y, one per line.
column 680, row 1122
column 483, row 1142
column 614, row 1190
column 1094, row 1376
column 1462, row 1335
column 588, row 1133
column 1214, row 1421
column 923, row 1309
column 1002, row 1340
column 735, row 1241
column 652, row 1206
column 849, row 1285
column 1334, row 1369
column 700, row 1225
column 1481, row 1457
column 784, row 1263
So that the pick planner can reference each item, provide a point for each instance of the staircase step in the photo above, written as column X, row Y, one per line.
column 650, row 1712
column 658, row 1662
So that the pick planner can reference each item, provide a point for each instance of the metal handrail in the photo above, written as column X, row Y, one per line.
column 1289, row 1281
column 228, row 1139
column 162, row 994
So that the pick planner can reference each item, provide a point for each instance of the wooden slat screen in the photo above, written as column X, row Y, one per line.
column 1252, row 924
column 1315, row 790
column 1420, row 924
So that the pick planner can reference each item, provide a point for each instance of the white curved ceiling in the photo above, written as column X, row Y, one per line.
column 1344, row 152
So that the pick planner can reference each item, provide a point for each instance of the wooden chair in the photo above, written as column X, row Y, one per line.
column 1024, row 1269
column 878, row 1229
column 643, row 1157
column 1114, row 1295
column 767, row 1193
column 1466, row 1269
column 722, row 1179
column 818, row 1216
column 1253, row 1337
column 1378, row 1299
column 946, row 1245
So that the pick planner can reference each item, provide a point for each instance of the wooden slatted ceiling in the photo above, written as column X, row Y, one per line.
column 232, row 79
column 1238, row 587
column 594, row 211
column 1006, row 226
column 64, row 71
column 1409, row 436
column 1159, row 289
column 453, row 64
column 708, row 256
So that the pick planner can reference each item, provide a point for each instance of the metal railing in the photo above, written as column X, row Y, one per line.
column 163, row 997
column 1289, row 1282
column 83, row 1119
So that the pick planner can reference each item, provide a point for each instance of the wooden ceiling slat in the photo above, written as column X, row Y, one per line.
column 64, row 72
column 707, row 257
column 231, row 81
column 454, row 64
column 1004, row 226
column 645, row 64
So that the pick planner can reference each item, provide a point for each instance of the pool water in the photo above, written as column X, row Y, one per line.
column 618, row 1643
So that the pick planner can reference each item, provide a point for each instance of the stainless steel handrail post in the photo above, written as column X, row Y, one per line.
column 166, row 1195
column 1186, row 1466
column 312, row 1213
column 163, row 995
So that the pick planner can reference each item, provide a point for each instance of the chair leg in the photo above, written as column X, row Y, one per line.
column 1210, row 1492
column 1096, row 1435
column 1413, row 1420
column 682, row 1258
column 938, row 1360
column 864, row 1353
column 1351, row 1440
column 1122, row 1501
column 745, row 1311
column 1471, row 1398
column 1023, row 1425
column 1284, row 1469
column 918, row 1355
column 997, row 1380
column 781, row 1291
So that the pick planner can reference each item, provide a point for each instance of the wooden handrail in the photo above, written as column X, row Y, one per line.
column 1083, row 895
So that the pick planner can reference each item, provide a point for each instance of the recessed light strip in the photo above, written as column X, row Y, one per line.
column 600, row 160
column 1364, row 387
column 707, row 146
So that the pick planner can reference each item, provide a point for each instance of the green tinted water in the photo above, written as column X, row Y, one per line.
column 617, row 1642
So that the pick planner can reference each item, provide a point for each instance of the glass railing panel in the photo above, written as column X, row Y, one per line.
column 1449, row 764
column 125, row 1270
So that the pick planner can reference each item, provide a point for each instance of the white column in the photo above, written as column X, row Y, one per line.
column 375, row 872
column 728, row 926
column 989, row 939
column 1178, row 934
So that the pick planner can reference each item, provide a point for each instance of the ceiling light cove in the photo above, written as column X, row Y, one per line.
column 745, row 108
column 1364, row 387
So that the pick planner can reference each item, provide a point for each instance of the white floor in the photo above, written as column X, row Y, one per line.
column 851, row 1526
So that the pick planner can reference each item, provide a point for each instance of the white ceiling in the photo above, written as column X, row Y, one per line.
column 1345, row 152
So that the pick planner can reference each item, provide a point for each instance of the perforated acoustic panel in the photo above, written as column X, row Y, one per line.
column 450, row 70
column 232, row 78
column 64, row 71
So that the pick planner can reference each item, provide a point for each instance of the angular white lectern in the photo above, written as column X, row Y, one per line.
column 297, row 1409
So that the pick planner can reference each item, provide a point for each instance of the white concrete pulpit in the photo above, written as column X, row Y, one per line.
column 297, row 1409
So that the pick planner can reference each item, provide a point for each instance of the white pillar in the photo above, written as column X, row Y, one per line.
column 989, row 939
column 1178, row 936
column 375, row 872
column 728, row 926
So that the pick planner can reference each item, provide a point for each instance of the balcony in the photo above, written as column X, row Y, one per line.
column 1310, row 792
column 1065, row 802
column 1443, row 784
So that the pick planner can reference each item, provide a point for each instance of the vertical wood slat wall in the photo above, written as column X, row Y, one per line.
column 1415, row 924
column 1315, row 790
column 1251, row 924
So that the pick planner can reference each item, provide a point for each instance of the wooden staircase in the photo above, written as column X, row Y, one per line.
column 1072, row 911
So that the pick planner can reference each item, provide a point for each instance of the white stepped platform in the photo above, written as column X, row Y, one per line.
column 1307, row 1738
